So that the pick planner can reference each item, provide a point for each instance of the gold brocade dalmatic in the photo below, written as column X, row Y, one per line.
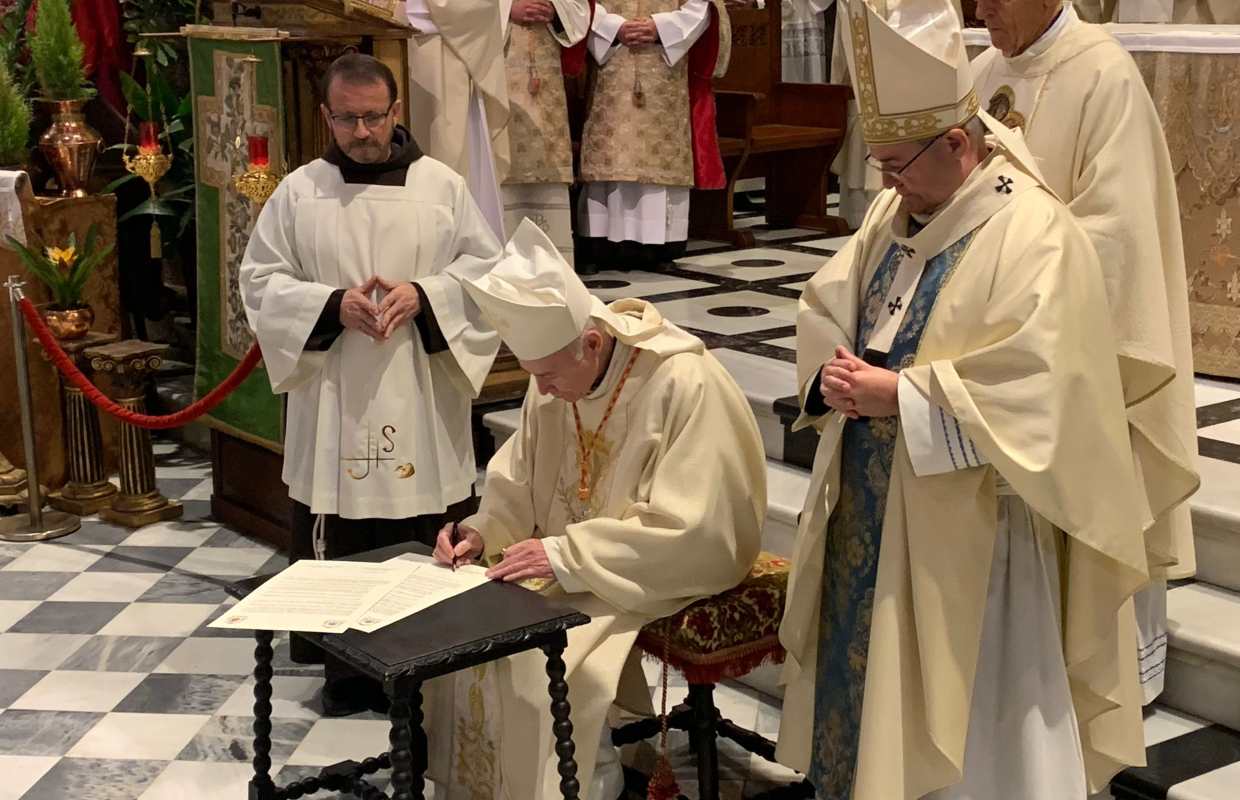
column 538, row 126
column 638, row 125
column 1018, row 350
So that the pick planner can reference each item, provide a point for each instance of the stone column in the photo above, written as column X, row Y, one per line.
column 87, row 489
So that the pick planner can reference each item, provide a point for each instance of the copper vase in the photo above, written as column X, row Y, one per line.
column 69, row 323
column 70, row 146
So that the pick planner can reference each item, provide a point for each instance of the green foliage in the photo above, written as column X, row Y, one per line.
column 57, row 52
column 64, row 272
column 14, row 121
column 13, row 44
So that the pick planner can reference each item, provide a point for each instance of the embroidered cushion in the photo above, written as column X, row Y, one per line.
column 728, row 635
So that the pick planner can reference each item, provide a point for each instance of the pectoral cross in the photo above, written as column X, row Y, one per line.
column 1005, row 185
column 374, row 453
column 895, row 306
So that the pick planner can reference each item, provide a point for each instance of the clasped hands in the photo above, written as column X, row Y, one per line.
column 857, row 389
column 532, row 12
column 527, row 559
column 638, row 32
column 378, row 320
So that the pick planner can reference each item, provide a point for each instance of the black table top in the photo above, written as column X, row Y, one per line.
column 480, row 625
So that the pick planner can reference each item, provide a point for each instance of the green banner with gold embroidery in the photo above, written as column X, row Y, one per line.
column 236, row 83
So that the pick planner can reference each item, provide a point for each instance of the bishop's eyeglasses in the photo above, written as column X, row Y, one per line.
column 891, row 172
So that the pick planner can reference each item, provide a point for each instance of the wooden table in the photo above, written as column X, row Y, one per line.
column 481, row 625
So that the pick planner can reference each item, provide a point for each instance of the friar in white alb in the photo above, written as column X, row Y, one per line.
column 351, row 282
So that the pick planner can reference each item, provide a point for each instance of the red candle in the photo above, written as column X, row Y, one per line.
column 148, row 137
column 258, row 151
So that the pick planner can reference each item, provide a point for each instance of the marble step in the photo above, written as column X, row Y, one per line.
column 1203, row 653
column 1216, row 523
column 1187, row 759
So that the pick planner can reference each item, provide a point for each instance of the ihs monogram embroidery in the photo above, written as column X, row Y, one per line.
column 377, row 455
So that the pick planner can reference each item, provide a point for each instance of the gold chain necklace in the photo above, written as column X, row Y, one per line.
column 584, row 451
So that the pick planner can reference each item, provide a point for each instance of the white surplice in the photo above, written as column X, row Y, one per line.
column 640, row 212
column 374, row 429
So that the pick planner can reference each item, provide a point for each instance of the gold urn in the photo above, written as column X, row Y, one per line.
column 69, row 323
column 70, row 147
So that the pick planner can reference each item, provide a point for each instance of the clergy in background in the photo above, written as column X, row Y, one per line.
column 649, row 135
column 634, row 485
column 541, row 35
column 805, row 40
column 959, row 617
column 458, row 93
column 1088, row 119
column 351, row 284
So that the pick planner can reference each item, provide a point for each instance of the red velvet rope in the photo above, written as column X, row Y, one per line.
column 154, row 422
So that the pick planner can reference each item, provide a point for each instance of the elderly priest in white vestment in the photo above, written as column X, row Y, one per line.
column 959, row 621
column 1088, row 119
column 634, row 485
column 351, row 282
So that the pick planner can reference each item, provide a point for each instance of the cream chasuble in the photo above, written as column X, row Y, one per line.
column 1090, row 123
column 675, row 514
column 1016, row 349
column 458, row 94
column 1093, row 129
column 542, row 150
column 374, row 429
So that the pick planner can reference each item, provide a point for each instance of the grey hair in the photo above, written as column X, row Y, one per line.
column 579, row 345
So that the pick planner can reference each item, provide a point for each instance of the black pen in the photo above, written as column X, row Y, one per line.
column 455, row 540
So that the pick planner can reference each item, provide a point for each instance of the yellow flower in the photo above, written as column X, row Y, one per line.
column 62, row 257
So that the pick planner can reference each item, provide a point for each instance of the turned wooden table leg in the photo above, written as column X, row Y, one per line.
column 408, row 741
column 563, row 724
column 261, row 785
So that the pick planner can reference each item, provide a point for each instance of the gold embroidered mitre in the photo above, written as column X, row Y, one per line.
column 909, row 66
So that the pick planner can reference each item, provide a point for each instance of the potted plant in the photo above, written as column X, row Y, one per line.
column 70, row 145
column 64, row 271
column 14, row 123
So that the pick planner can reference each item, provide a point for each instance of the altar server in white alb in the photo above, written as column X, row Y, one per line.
column 959, row 622
column 1089, row 120
column 635, row 484
column 351, row 282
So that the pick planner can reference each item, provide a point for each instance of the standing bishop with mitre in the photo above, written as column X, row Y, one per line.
column 1090, row 122
column 959, row 617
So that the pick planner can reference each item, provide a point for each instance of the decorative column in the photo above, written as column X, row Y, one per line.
column 12, row 484
column 125, row 367
column 87, row 489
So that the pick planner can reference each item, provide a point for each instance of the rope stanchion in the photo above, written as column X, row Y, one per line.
column 150, row 421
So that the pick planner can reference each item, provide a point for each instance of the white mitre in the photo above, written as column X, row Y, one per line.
column 532, row 296
column 910, row 69
column 912, row 76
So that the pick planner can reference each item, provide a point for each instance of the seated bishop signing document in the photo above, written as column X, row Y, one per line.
column 634, row 485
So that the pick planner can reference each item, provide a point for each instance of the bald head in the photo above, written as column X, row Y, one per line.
column 1016, row 24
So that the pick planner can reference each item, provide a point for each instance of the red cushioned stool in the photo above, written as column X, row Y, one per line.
column 725, row 636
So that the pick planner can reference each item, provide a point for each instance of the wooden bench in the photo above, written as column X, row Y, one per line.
column 787, row 133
